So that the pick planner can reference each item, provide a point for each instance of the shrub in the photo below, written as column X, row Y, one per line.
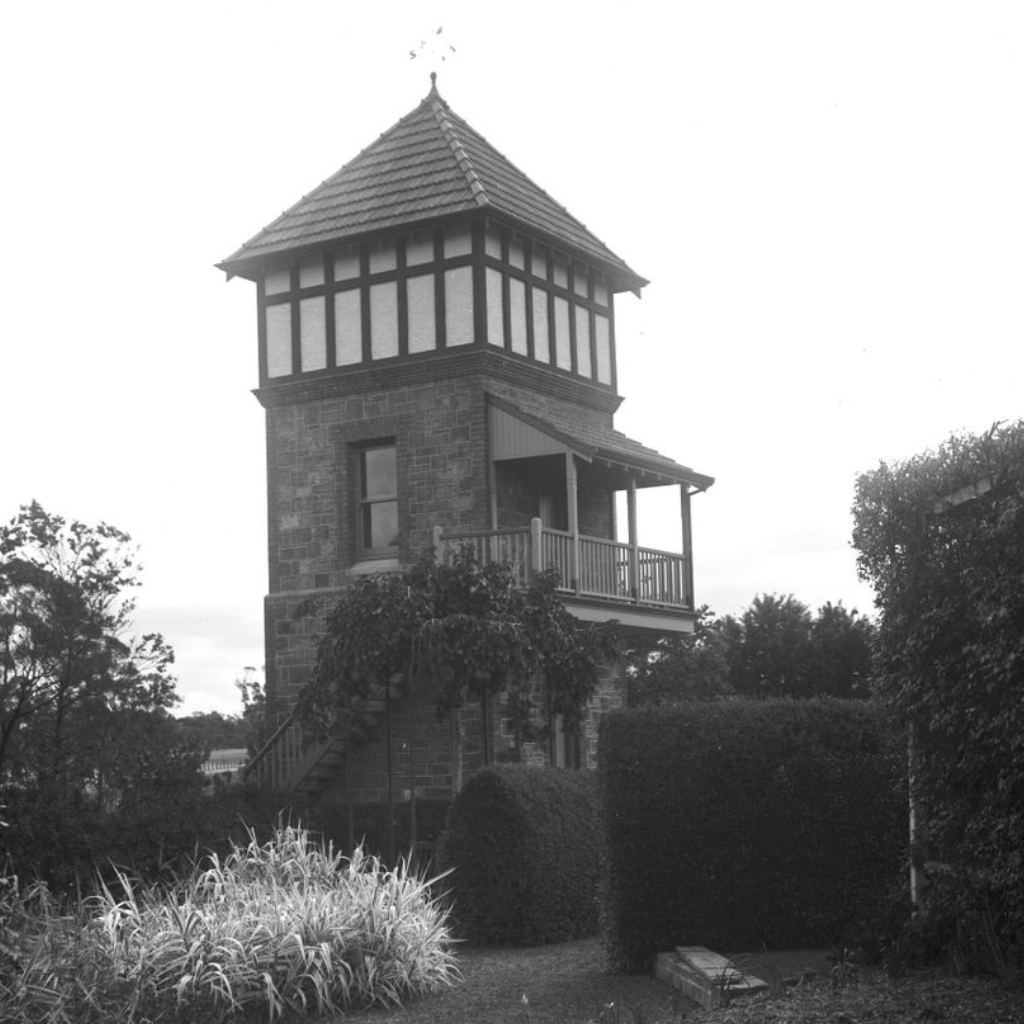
column 939, row 538
column 275, row 927
column 740, row 823
column 524, row 844
column 64, row 842
column 370, row 823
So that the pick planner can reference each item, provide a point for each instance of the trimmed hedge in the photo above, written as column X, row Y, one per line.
column 525, row 846
column 737, row 824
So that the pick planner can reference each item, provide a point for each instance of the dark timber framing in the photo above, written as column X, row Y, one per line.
column 534, row 280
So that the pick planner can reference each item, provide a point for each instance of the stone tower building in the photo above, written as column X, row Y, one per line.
column 437, row 362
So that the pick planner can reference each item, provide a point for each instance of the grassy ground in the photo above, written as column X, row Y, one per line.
column 569, row 984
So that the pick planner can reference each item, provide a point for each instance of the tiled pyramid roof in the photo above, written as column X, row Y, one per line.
column 429, row 165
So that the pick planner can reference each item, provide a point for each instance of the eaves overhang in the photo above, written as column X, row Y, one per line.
column 429, row 167
column 621, row 278
column 516, row 433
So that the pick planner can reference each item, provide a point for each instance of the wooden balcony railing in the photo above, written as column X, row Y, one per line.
column 587, row 566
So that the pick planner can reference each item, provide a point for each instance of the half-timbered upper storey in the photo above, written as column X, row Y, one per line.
column 429, row 242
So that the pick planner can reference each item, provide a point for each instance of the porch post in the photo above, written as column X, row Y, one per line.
column 492, row 491
column 536, row 546
column 634, row 542
column 492, row 501
column 684, row 514
column 572, row 495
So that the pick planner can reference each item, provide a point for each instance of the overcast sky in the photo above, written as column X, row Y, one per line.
column 826, row 197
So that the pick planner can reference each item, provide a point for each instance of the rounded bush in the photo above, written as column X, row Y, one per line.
column 524, row 844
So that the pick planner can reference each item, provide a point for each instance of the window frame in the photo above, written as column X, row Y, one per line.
column 566, row 745
column 365, row 503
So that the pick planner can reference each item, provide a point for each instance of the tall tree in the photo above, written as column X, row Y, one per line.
column 775, row 648
column 774, row 658
column 65, row 648
column 254, row 709
column 692, row 666
column 841, row 642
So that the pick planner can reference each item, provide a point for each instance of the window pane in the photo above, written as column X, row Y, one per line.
column 492, row 243
column 458, row 243
column 348, row 328
column 311, row 272
column 346, row 266
column 380, row 473
column 384, row 320
column 604, row 349
column 582, row 341
column 422, row 324
column 279, row 339
column 382, row 257
column 495, row 317
column 380, row 525
column 601, row 293
column 579, row 279
column 517, row 315
column 563, row 354
column 539, row 262
column 541, row 340
column 458, row 306
column 277, row 279
column 420, row 249
column 561, row 271
column 516, row 256
column 313, row 334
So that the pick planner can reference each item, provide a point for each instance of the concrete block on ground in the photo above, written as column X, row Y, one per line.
column 704, row 976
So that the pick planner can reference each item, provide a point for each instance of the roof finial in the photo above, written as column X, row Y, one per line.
column 437, row 51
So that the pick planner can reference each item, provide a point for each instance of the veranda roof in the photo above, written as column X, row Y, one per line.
column 517, row 433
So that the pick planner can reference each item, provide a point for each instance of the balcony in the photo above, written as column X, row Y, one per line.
column 599, row 579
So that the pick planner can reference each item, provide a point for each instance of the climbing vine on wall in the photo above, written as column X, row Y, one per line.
column 941, row 539
column 454, row 631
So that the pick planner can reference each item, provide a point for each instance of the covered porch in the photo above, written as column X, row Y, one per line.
column 554, row 496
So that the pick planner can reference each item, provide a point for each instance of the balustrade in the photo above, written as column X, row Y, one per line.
column 607, row 569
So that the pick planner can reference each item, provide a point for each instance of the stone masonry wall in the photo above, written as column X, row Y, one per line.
column 439, row 427
column 436, row 756
column 440, row 431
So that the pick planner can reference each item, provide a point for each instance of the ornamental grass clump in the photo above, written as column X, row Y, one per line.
column 275, row 928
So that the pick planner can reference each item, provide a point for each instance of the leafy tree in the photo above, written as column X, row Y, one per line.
column 841, row 643
column 210, row 730
column 941, row 538
column 91, row 760
column 775, row 648
column 64, row 648
column 774, row 658
column 254, row 710
column 691, row 666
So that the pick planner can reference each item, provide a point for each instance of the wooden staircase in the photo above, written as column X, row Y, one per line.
column 301, row 768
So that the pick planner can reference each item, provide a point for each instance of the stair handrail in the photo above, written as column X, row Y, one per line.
column 264, row 751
